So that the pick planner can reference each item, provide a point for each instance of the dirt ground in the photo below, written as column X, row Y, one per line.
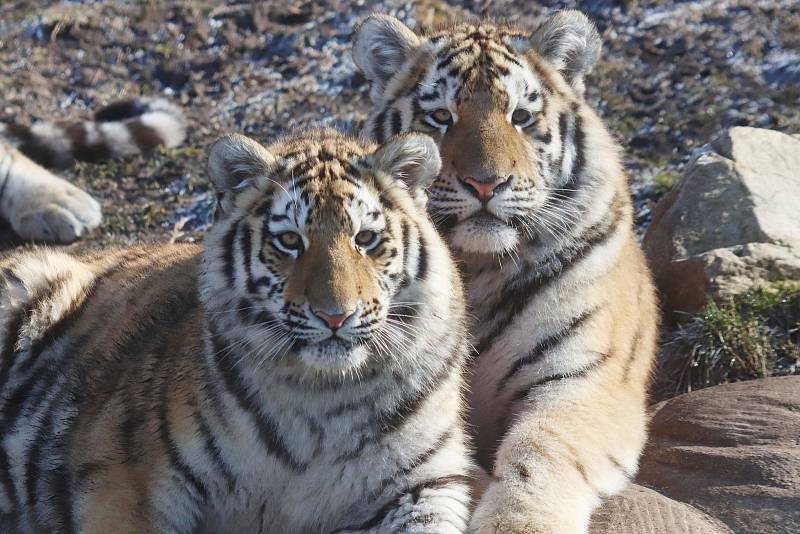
column 672, row 74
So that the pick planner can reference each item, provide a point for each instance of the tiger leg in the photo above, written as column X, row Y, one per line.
column 118, row 501
column 575, row 440
column 41, row 206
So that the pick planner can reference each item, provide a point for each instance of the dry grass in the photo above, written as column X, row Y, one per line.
column 753, row 335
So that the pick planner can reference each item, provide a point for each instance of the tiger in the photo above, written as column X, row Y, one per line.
column 302, row 371
column 535, row 205
column 40, row 206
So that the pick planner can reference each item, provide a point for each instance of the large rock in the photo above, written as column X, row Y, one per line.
column 732, row 451
column 742, row 189
column 639, row 510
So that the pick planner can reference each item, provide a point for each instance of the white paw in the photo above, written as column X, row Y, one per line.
column 53, row 211
column 506, row 509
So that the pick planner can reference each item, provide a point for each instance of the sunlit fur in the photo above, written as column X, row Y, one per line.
column 565, row 314
column 41, row 206
column 175, row 389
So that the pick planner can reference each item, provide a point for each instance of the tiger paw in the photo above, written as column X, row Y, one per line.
column 50, row 209
column 506, row 509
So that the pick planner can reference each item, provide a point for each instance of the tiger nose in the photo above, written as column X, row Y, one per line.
column 334, row 319
column 483, row 189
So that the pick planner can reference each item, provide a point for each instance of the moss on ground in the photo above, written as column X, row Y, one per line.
column 752, row 335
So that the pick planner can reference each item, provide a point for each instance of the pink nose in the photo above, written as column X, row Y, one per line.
column 333, row 320
column 485, row 190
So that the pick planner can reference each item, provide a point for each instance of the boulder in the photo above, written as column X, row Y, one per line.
column 731, row 451
column 742, row 189
column 639, row 510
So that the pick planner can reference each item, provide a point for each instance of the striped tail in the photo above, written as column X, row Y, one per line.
column 121, row 129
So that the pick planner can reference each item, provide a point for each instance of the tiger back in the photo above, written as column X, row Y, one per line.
column 533, row 200
column 301, row 372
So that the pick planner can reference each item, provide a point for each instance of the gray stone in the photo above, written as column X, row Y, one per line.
column 733, row 452
column 639, row 510
column 740, row 190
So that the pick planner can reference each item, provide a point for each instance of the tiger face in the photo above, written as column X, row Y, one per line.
column 311, row 245
column 503, row 105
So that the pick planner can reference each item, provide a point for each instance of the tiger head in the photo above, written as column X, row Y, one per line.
column 316, row 236
column 505, row 105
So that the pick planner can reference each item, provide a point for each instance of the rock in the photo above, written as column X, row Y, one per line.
column 733, row 452
column 725, row 272
column 639, row 510
column 738, row 192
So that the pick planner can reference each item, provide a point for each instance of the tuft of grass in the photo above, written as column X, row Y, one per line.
column 665, row 181
column 749, row 336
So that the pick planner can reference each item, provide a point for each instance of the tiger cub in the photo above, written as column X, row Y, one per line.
column 41, row 206
column 533, row 200
column 303, row 373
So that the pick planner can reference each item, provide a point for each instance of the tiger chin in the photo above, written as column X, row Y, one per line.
column 300, row 373
column 41, row 206
column 533, row 201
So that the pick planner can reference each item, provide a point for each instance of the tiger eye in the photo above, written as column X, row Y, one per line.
column 365, row 238
column 290, row 240
column 442, row 116
column 520, row 116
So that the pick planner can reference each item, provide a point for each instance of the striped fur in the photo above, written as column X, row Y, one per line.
column 175, row 390
column 565, row 312
column 43, row 207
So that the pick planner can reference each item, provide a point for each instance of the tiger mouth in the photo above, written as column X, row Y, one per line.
column 485, row 218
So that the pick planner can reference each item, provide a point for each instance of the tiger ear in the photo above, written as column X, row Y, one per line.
column 569, row 42
column 234, row 163
column 381, row 44
column 411, row 158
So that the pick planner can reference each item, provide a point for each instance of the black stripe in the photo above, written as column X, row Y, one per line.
column 82, row 150
column 228, row 253
column 5, row 479
column 513, row 299
column 579, row 373
column 12, row 336
column 549, row 343
column 247, row 252
column 122, row 110
column 62, row 484
column 635, row 346
column 406, row 238
column 16, row 401
column 410, row 405
column 419, row 461
column 379, row 127
column 397, row 123
column 33, row 470
column 562, row 133
column 422, row 257
column 171, row 448
column 374, row 521
column 213, row 450
column 452, row 55
column 267, row 429
column 33, row 305
column 579, row 139
column 439, row 482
